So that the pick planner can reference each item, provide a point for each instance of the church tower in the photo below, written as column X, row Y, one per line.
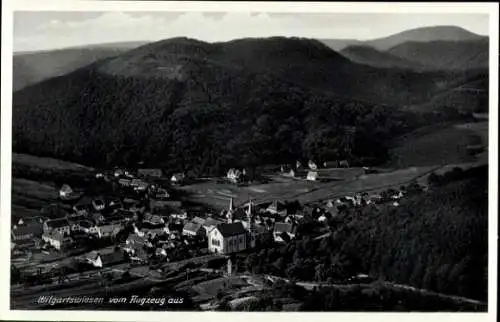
column 250, row 226
column 229, row 214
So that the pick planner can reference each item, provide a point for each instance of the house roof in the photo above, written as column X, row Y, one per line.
column 192, row 227
column 27, row 229
column 108, row 228
column 282, row 227
column 85, row 224
column 57, row 223
column 112, row 258
column 232, row 229
column 76, row 219
column 199, row 220
column 212, row 222
column 136, row 239
column 66, row 188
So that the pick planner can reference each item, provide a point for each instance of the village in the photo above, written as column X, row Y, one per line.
column 135, row 222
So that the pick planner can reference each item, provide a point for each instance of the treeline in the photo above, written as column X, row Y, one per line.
column 249, row 120
column 435, row 240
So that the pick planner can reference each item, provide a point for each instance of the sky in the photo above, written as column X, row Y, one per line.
column 42, row 30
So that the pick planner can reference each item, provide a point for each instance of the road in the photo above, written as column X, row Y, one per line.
column 312, row 285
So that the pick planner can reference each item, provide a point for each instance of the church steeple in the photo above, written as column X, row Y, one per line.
column 229, row 214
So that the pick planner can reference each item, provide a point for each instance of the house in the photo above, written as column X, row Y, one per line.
column 87, row 227
column 61, row 225
column 287, row 172
column 312, row 165
column 161, row 194
column 139, row 185
column 153, row 231
column 199, row 220
column 161, row 252
column 153, row 219
column 277, row 208
column 344, row 164
column 98, row 204
column 210, row 224
column 118, row 173
column 57, row 240
column 98, row 217
column 163, row 204
column 192, row 229
column 330, row 164
column 227, row 238
column 127, row 215
column 114, row 203
column 106, row 260
column 235, row 175
column 124, row 182
column 75, row 222
column 65, row 192
column 181, row 216
column 152, row 173
column 135, row 242
column 284, row 232
column 312, row 176
column 80, row 209
column 178, row 178
column 26, row 232
column 115, row 218
column 104, row 230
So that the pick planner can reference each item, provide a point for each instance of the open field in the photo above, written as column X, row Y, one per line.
column 29, row 196
column 438, row 146
column 217, row 195
column 47, row 163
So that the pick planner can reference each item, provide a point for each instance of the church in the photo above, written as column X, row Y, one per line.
column 235, row 235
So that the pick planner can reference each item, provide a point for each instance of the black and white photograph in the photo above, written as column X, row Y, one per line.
column 250, row 160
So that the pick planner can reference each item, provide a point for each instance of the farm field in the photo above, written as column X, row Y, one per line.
column 217, row 195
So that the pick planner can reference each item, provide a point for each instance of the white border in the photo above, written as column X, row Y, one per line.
column 67, row 5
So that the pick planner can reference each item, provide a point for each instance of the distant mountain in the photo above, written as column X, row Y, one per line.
column 424, row 34
column 189, row 105
column 32, row 67
column 340, row 44
column 469, row 54
column 369, row 56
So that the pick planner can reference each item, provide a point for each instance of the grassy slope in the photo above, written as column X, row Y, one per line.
column 434, row 145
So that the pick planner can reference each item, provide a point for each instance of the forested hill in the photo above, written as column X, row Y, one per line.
column 189, row 105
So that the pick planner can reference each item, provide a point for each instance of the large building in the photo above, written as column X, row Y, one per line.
column 232, row 237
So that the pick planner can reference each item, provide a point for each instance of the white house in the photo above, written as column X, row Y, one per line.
column 193, row 229
column 178, row 178
column 98, row 204
column 227, row 238
column 60, row 225
column 234, row 175
column 57, row 240
column 312, row 176
column 65, row 191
